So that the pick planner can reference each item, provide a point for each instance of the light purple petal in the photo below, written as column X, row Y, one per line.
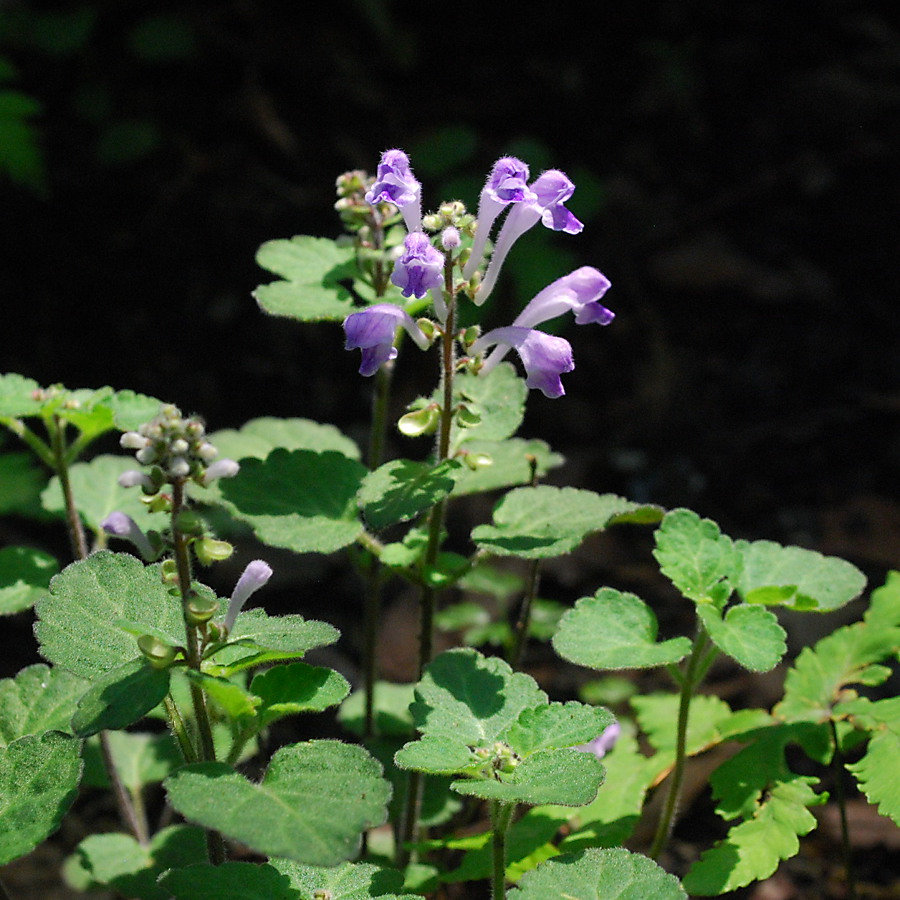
column 395, row 183
column 254, row 576
column 373, row 329
column 604, row 742
column 121, row 525
column 579, row 291
column 544, row 356
column 420, row 268
column 553, row 188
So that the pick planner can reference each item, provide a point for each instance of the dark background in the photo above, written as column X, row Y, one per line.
column 736, row 171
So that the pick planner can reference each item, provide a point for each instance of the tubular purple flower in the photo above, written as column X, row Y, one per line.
column 254, row 576
column 544, row 356
column 604, row 742
column 551, row 189
column 579, row 291
column 395, row 183
column 120, row 525
column 136, row 478
column 420, row 267
column 507, row 183
column 373, row 329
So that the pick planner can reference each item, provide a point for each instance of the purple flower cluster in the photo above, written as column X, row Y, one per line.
column 422, row 267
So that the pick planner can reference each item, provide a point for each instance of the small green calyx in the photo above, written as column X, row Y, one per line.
column 467, row 417
column 200, row 610
column 168, row 572
column 158, row 653
column 188, row 522
column 420, row 422
column 210, row 550
column 476, row 461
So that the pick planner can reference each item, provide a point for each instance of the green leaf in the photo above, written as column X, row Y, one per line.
column 258, row 638
column 657, row 715
column 563, row 777
column 313, row 269
column 38, row 782
column 347, row 881
column 816, row 582
column 38, row 699
column 511, row 464
column 391, row 710
column 598, row 874
column 614, row 630
column 235, row 701
column 877, row 770
column 140, row 759
column 21, row 483
column 313, row 804
column 25, row 574
column 229, row 881
column 545, row 521
column 556, row 725
column 750, row 635
column 820, row 673
column 696, row 557
column 120, row 862
column 299, row 500
column 18, row 397
column 97, row 493
column 401, row 489
column 297, row 688
column 259, row 437
column 120, row 697
column 130, row 410
column 88, row 621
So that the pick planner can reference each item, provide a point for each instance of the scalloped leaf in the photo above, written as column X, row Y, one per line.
column 17, row 396
column 95, row 608
column 750, row 635
column 402, row 489
column 657, row 714
column 229, row 881
column 615, row 630
column 348, row 881
column 312, row 805
column 497, row 398
column 696, row 557
column 877, row 770
column 39, row 777
column 315, row 271
column 25, row 574
column 118, row 861
column 299, row 500
column 21, row 483
column 130, row 409
column 297, row 688
column 807, row 579
column 546, row 521
column 598, row 873
column 38, row 699
column 820, row 673
column 391, row 709
column 259, row 437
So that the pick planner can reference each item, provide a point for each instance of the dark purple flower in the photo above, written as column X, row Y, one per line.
column 544, row 356
column 551, row 190
column 373, row 329
column 420, row 268
column 395, row 183
column 507, row 183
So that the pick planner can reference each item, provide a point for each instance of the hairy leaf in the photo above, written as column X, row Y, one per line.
column 38, row 699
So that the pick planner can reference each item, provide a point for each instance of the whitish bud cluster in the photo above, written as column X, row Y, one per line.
column 177, row 449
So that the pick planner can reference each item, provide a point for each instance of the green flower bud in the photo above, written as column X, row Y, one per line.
column 158, row 653
column 420, row 421
column 210, row 550
column 169, row 572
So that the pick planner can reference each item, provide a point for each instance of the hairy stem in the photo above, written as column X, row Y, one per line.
column 74, row 524
column 697, row 665
column 501, row 815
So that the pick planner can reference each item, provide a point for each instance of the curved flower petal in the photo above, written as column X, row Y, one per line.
column 544, row 356
column 373, row 329
column 420, row 268
column 553, row 188
column 579, row 291
column 507, row 183
column 121, row 525
column 254, row 576
column 395, row 183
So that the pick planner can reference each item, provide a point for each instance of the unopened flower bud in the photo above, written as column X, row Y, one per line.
column 133, row 440
column 179, row 467
column 221, row 468
column 254, row 576
column 450, row 238
column 120, row 525
column 136, row 478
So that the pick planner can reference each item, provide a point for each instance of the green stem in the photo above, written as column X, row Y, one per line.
column 501, row 815
column 193, row 656
column 837, row 761
column 176, row 723
column 39, row 447
column 130, row 809
column 697, row 665
column 74, row 524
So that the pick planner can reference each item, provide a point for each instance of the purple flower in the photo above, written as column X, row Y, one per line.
column 373, row 329
column 507, row 183
column 395, row 183
column 420, row 268
column 120, row 525
column 579, row 291
column 551, row 190
column 604, row 742
column 254, row 576
column 544, row 356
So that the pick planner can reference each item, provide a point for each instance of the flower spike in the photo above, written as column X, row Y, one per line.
column 373, row 329
column 395, row 183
